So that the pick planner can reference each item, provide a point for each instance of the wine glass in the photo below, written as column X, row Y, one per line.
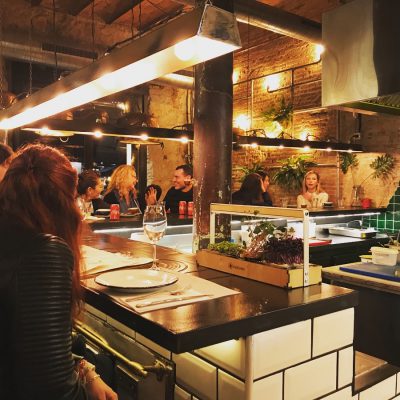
column 154, row 225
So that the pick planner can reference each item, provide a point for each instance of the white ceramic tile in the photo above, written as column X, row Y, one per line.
column 153, row 346
column 121, row 327
column 355, row 397
column 344, row 394
column 346, row 366
column 229, row 355
column 282, row 347
column 271, row 385
column 381, row 391
column 333, row 331
column 229, row 387
column 398, row 383
column 196, row 376
column 396, row 398
column 95, row 311
column 312, row 379
column 181, row 394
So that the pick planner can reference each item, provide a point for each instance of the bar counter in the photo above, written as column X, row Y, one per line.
column 259, row 307
column 262, row 340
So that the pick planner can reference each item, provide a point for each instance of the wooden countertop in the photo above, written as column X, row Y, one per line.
column 257, row 308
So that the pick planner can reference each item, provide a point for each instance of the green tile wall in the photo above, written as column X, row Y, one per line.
column 388, row 221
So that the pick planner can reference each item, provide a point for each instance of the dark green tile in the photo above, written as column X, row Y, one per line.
column 396, row 225
column 381, row 224
column 389, row 225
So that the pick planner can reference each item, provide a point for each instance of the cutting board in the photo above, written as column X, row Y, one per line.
column 374, row 270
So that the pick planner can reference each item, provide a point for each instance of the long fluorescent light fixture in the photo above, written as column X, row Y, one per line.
column 255, row 141
column 190, row 39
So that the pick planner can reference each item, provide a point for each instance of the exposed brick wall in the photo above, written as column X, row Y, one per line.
column 266, row 53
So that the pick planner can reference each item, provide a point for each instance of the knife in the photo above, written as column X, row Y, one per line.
column 171, row 300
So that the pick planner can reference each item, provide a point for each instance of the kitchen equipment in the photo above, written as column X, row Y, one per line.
column 298, row 228
column 353, row 232
column 392, row 246
column 384, row 256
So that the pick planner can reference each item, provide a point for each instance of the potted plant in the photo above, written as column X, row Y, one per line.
column 255, row 168
column 291, row 173
column 381, row 168
column 278, row 118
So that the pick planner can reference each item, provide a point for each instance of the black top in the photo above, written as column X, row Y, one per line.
column 114, row 198
column 174, row 196
column 35, row 313
column 239, row 197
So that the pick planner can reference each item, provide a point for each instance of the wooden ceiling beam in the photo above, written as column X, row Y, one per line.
column 120, row 8
column 74, row 7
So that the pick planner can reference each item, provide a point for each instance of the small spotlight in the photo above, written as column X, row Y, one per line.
column 97, row 134
column 319, row 49
column 184, row 139
column 329, row 149
column 281, row 146
column 254, row 145
column 349, row 150
column 272, row 82
column 306, row 148
column 235, row 76
column 144, row 136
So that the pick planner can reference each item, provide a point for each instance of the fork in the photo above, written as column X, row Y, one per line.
column 170, row 292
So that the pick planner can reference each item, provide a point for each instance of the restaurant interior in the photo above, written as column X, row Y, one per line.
column 231, row 88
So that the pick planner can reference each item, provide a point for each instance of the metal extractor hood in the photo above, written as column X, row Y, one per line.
column 361, row 63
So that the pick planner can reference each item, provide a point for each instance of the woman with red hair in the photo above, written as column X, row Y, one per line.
column 39, row 281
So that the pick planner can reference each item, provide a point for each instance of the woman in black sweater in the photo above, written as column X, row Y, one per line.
column 251, row 192
column 40, row 281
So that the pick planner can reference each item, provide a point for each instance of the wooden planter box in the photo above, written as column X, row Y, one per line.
column 274, row 274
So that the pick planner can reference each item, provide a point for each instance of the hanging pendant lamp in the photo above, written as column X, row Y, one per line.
column 198, row 36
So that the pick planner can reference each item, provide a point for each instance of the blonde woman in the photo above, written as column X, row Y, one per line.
column 313, row 195
column 121, row 189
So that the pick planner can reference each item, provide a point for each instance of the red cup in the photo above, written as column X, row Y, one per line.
column 366, row 203
column 190, row 208
column 182, row 207
column 114, row 212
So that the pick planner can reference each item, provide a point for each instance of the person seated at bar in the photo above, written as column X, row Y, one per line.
column 40, row 264
column 313, row 195
column 121, row 189
column 151, row 195
column 6, row 156
column 265, row 183
column 182, row 189
column 251, row 192
column 89, row 190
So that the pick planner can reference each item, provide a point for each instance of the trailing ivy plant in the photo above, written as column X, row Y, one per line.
column 291, row 173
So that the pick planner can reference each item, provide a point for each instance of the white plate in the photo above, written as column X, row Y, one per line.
column 139, row 280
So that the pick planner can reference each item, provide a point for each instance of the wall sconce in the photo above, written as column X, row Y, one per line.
column 272, row 82
column 235, row 76
column 195, row 37
column 243, row 122
column 318, row 50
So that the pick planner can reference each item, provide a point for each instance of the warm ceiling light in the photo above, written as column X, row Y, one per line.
column 195, row 37
column 144, row 136
column 98, row 134
column 272, row 82
column 184, row 139
column 304, row 135
column 329, row 149
column 254, row 145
